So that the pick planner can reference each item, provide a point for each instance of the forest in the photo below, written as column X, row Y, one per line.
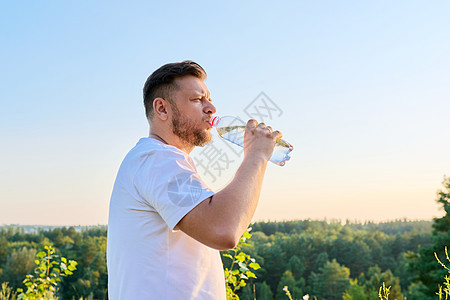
column 323, row 259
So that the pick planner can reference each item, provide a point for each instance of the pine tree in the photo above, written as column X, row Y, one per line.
column 331, row 281
column 428, row 272
column 264, row 292
column 19, row 263
column 374, row 279
column 289, row 280
column 355, row 292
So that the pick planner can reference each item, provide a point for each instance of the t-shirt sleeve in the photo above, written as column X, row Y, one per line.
column 169, row 182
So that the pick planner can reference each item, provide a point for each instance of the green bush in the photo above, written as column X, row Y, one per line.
column 44, row 283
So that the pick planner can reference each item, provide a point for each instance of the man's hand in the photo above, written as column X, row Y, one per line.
column 259, row 139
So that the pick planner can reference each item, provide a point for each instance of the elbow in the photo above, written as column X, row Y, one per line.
column 227, row 241
column 229, row 244
column 216, row 236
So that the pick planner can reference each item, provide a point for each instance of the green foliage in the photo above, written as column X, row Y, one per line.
column 4, row 245
column 427, row 273
column 414, row 292
column 302, row 247
column 316, row 242
column 87, row 245
column 355, row 292
column 295, row 265
column 265, row 293
column 290, row 297
column 44, row 283
column 384, row 292
column 445, row 289
column 374, row 278
column 19, row 263
column 286, row 290
column 331, row 281
column 288, row 280
column 7, row 293
column 396, row 228
column 241, row 269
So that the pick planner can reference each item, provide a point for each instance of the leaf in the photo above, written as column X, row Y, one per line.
column 64, row 260
column 228, row 255
column 250, row 274
column 247, row 235
column 240, row 257
column 243, row 267
column 254, row 266
column 40, row 254
column 71, row 268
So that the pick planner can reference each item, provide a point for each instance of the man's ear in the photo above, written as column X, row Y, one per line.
column 160, row 108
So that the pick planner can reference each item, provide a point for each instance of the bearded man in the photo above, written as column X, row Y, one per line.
column 166, row 226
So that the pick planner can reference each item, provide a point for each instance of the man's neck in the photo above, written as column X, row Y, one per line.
column 172, row 140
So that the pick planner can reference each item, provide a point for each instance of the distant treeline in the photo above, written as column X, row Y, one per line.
column 391, row 227
column 325, row 259
column 304, row 255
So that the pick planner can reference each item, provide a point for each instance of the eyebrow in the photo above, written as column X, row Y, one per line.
column 202, row 93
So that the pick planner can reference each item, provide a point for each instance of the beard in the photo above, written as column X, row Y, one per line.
column 187, row 130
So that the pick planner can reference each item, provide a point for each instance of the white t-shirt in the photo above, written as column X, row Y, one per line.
column 156, row 186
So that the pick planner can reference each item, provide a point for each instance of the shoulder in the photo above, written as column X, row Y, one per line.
column 150, row 147
column 154, row 154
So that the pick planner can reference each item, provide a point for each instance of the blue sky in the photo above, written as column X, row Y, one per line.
column 363, row 89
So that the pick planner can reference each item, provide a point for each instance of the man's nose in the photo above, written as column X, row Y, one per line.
column 210, row 108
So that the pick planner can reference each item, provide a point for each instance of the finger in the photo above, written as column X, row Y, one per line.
column 262, row 125
column 269, row 129
column 252, row 123
column 277, row 134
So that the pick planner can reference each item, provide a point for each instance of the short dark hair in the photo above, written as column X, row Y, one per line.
column 162, row 81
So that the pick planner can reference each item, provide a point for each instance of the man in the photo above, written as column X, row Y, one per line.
column 165, row 225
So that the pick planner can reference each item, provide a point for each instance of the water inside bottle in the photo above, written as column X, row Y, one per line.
column 235, row 134
column 281, row 152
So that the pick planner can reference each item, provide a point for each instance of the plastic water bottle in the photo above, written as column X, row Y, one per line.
column 232, row 129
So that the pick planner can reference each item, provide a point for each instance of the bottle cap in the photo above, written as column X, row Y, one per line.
column 215, row 121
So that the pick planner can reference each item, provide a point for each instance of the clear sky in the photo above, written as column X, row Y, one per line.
column 361, row 89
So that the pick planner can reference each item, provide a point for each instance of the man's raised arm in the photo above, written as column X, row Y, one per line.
column 219, row 221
